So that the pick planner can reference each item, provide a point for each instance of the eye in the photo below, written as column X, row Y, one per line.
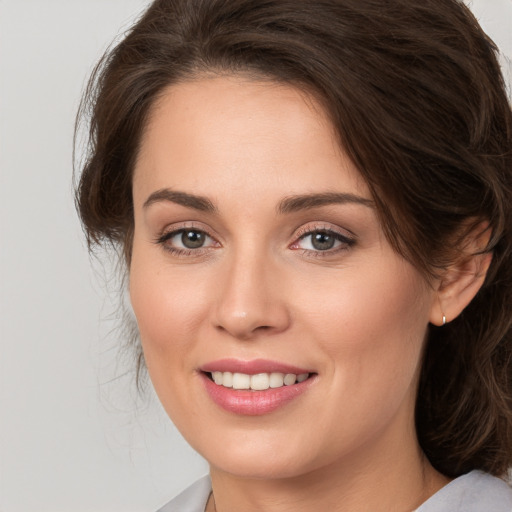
column 187, row 239
column 320, row 241
column 190, row 239
column 323, row 240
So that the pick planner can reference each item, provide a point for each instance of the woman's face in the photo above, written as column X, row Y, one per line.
column 257, row 251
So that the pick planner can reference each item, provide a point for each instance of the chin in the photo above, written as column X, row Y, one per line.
column 260, row 468
column 252, row 456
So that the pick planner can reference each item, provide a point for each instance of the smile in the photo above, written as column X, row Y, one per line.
column 253, row 388
column 258, row 382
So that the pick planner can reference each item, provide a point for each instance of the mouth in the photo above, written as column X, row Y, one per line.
column 254, row 387
column 256, row 382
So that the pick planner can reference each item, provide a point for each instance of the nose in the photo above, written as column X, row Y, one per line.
column 251, row 298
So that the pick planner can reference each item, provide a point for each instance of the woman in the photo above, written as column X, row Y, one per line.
column 314, row 204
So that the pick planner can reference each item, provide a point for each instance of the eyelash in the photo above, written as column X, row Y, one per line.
column 180, row 252
column 346, row 242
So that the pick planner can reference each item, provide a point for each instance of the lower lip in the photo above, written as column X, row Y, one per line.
column 254, row 403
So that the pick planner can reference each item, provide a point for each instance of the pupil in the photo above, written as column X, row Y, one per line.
column 192, row 239
column 323, row 241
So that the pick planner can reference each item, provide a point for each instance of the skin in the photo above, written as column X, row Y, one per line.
column 357, row 314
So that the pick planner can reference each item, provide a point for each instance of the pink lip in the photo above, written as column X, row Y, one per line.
column 253, row 403
column 252, row 367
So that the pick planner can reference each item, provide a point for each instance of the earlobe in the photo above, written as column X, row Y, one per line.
column 461, row 282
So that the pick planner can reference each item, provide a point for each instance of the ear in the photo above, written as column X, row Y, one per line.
column 460, row 282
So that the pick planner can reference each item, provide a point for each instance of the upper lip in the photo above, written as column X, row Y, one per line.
column 252, row 367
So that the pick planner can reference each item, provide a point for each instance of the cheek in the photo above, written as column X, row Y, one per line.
column 367, row 308
column 372, row 327
column 168, row 305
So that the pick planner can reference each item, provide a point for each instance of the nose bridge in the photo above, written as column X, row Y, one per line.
column 249, row 300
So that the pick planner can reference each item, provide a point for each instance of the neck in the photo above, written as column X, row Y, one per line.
column 384, row 476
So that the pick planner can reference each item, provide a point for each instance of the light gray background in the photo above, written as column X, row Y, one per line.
column 69, row 439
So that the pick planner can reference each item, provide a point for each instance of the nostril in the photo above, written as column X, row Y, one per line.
column 244, row 321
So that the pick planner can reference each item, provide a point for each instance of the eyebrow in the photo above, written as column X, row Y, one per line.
column 193, row 201
column 287, row 205
column 309, row 201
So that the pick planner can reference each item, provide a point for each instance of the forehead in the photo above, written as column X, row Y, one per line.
column 233, row 133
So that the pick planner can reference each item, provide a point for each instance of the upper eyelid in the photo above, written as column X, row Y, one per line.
column 168, row 235
column 327, row 227
column 182, row 226
column 343, row 239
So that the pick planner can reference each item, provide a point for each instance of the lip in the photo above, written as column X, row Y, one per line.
column 248, row 402
column 252, row 367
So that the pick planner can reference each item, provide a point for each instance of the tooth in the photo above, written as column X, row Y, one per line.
column 289, row 379
column 260, row 382
column 227, row 379
column 241, row 381
column 276, row 380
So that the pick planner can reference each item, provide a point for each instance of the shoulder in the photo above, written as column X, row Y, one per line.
column 474, row 492
column 192, row 499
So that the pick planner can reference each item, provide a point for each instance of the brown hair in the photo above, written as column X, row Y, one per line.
column 414, row 90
